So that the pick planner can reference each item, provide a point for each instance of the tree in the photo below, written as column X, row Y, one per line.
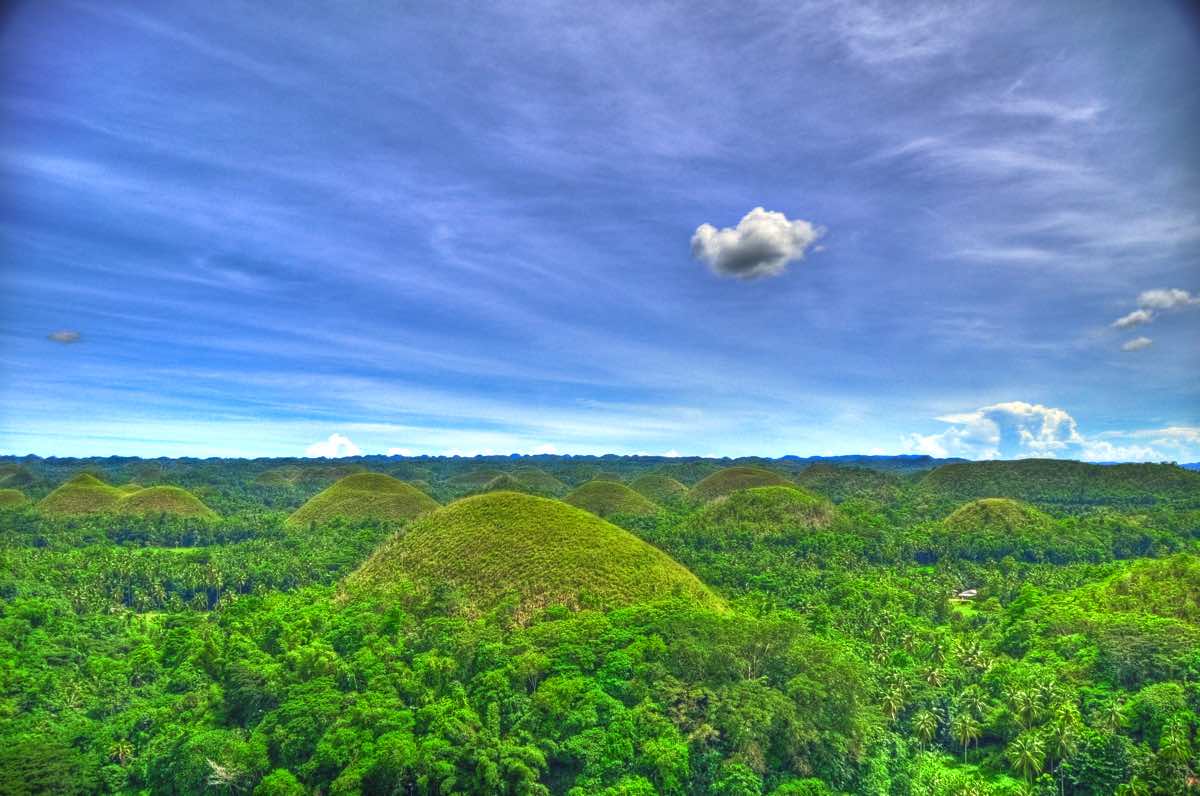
column 925, row 725
column 1027, row 754
column 965, row 730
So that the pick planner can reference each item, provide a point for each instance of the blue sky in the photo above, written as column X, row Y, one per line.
column 265, row 229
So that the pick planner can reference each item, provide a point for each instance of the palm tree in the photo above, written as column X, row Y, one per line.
column 1112, row 715
column 925, row 725
column 972, row 699
column 120, row 751
column 893, row 702
column 965, row 729
column 934, row 677
column 1027, row 754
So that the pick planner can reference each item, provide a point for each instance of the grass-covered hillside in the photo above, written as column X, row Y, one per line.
column 157, row 500
column 659, row 488
column 364, row 496
column 769, row 510
column 83, row 494
column 538, row 551
column 731, row 479
column 12, row 498
column 1055, row 482
column 605, row 498
column 844, row 483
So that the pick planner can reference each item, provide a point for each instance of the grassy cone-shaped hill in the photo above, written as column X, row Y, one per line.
column 732, row 479
column 659, row 488
column 606, row 498
column 843, row 483
column 769, row 511
column 503, row 483
column 540, row 482
column 475, row 479
column 83, row 494
column 364, row 496
column 157, row 500
column 12, row 499
column 995, row 515
column 541, row 551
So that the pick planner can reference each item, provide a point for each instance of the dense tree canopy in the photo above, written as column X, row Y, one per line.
column 875, row 634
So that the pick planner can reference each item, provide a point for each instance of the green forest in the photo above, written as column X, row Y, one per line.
column 598, row 625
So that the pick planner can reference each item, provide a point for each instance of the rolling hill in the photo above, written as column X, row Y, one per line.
column 659, row 488
column 606, row 498
column 364, row 496
column 992, row 528
column 842, row 483
column 83, row 494
column 14, row 475
column 769, row 511
column 12, row 498
column 1055, row 482
column 538, row 551
column 731, row 479
column 156, row 500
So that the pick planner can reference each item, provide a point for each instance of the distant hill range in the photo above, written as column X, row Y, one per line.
column 906, row 463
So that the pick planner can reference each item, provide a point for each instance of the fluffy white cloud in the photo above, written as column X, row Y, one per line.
column 335, row 447
column 762, row 244
column 1150, row 303
column 1016, row 429
column 1135, row 318
column 64, row 336
column 1013, row 428
column 1137, row 344
column 1167, row 299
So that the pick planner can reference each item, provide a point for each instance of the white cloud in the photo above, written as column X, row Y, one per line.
column 762, row 244
column 1013, row 428
column 1135, row 318
column 1016, row 429
column 1150, row 303
column 672, row 454
column 65, row 336
column 335, row 447
column 1137, row 344
column 545, row 448
column 400, row 452
column 1167, row 299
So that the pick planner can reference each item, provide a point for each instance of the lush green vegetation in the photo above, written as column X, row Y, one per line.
column 11, row 498
column 798, row 636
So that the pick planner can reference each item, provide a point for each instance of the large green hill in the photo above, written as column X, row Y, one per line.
column 541, row 552
column 364, row 496
column 1064, row 483
column 731, row 479
column 606, row 498
column 993, row 528
column 83, row 494
column 12, row 498
column 156, row 500
column 14, row 475
column 842, row 483
column 659, row 488
column 768, row 511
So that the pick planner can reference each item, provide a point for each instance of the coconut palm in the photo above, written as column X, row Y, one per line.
column 965, row 729
column 893, row 702
column 925, row 725
column 1027, row 754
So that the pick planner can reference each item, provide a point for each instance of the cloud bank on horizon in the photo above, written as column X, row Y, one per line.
column 961, row 227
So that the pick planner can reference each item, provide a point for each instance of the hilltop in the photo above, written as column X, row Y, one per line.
column 659, row 488
column 83, row 494
column 992, row 528
column 12, row 498
column 539, row 551
column 731, row 479
column 842, row 483
column 606, row 498
column 87, row 494
column 540, row 482
column 769, row 511
column 364, row 496
column 163, row 500
column 1065, row 483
